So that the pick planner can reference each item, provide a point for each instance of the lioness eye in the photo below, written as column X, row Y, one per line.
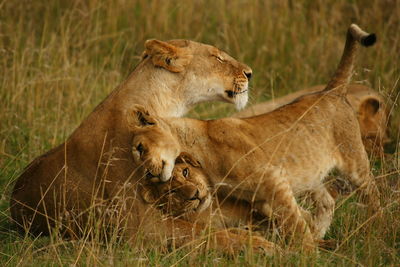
column 219, row 58
column 185, row 172
column 140, row 149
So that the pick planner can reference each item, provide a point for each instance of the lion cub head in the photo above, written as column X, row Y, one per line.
column 373, row 116
column 207, row 72
column 186, row 192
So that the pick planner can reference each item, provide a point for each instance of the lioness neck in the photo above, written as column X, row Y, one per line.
column 158, row 90
column 161, row 94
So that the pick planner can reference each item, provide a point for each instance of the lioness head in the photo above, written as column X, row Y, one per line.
column 187, row 190
column 207, row 73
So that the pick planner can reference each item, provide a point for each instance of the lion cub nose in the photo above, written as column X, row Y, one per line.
column 196, row 195
column 189, row 192
column 247, row 74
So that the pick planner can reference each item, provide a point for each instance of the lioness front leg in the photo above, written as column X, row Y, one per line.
column 231, row 241
column 235, row 240
column 176, row 232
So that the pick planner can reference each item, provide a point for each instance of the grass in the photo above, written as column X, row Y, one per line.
column 59, row 59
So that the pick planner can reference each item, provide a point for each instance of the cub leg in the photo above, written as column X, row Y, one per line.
column 279, row 199
column 355, row 166
column 323, row 214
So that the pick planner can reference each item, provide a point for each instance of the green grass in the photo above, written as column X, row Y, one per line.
column 59, row 59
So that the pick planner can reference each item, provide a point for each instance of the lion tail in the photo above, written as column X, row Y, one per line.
column 343, row 73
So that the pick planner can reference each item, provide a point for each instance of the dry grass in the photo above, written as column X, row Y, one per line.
column 59, row 59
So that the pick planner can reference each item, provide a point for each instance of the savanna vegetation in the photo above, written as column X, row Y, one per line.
column 59, row 59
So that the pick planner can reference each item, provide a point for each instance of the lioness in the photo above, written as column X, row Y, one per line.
column 370, row 106
column 95, row 162
column 269, row 159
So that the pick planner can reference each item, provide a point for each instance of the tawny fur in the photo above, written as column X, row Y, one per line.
column 268, row 160
column 95, row 164
column 192, row 198
column 187, row 191
column 370, row 106
column 187, row 196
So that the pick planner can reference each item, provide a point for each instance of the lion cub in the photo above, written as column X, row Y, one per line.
column 187, row 196
column 268, row 160
column 187, row 191
column 370, row 107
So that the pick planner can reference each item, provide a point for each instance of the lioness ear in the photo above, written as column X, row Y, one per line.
column 369, row 106
column 139, row 116
column 185, row 157
column 166, row 55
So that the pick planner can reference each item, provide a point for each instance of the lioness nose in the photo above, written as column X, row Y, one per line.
column 247, row 74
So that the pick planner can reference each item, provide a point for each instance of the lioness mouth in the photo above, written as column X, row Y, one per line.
column 232, row 94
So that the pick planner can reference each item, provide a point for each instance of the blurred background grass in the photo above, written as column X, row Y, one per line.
column 59, row 59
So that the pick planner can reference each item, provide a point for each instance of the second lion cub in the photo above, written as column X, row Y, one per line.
column 268, row 160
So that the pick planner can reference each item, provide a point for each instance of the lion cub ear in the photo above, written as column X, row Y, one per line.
column 185, row 157
column 148, row 195
column 369, row 106
column 139, row 116
column 166, row 55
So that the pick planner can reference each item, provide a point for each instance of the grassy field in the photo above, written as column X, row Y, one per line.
column 59, row 59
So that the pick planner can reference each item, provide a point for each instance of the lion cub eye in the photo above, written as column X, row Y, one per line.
column 140, row 149
column 185, row 172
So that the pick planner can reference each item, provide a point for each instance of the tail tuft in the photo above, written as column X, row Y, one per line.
column 368, row 40
column 341, row 78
